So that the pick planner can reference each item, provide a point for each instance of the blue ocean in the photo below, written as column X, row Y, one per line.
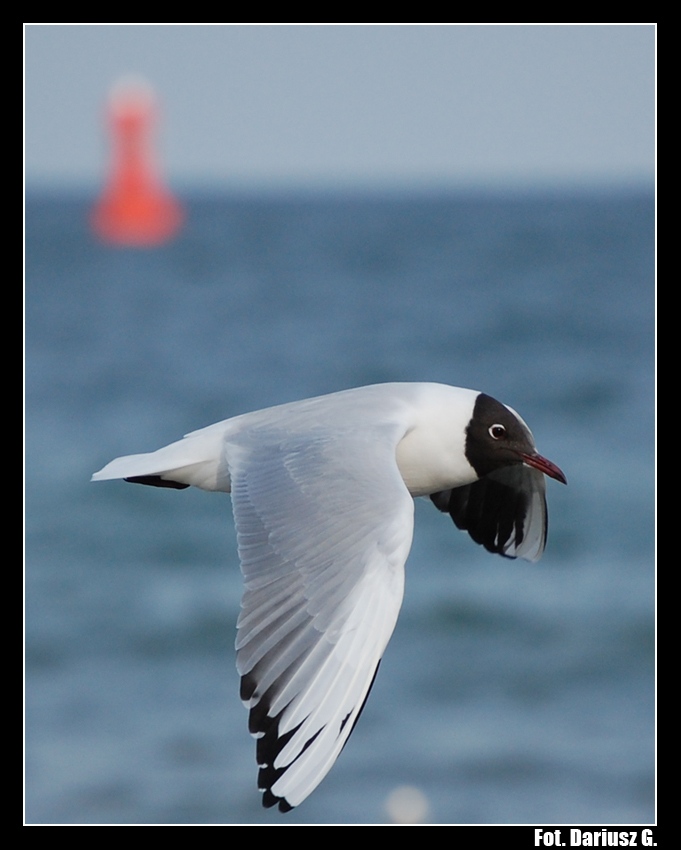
column 511, row 692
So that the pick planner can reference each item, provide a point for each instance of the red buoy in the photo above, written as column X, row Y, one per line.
column 135, row 208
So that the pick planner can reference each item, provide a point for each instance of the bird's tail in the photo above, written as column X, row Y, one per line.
column 197, row 460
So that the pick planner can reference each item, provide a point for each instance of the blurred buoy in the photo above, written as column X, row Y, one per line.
column 135, row 208
column 407, row 805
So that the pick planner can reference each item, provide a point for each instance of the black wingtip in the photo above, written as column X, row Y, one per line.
column 269, row 799
column 156, row 481
column 493, row 510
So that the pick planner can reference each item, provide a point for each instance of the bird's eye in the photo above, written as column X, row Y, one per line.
column 497, row 432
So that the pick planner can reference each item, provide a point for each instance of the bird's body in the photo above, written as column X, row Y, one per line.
column 322, row 492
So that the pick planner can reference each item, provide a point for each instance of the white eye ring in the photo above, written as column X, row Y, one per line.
column 497, row 432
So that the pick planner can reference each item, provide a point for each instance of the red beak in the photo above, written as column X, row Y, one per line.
column 544, row 465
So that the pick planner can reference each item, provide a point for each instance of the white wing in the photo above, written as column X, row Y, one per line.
column 324, row 526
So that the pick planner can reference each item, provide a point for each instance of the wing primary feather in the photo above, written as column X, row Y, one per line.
column 361, row 709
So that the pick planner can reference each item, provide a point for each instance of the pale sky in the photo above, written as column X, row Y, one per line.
column 352, row 105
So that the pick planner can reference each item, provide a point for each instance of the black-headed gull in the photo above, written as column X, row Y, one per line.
column 322, row 493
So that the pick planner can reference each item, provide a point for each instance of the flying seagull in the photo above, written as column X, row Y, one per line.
column 322, row 493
